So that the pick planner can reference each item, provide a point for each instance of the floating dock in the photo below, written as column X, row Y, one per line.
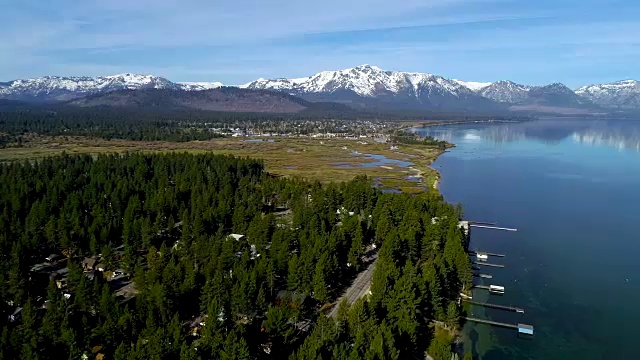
column 488, row 264
column 522, row 328
column 492, row 227
column 495, row 306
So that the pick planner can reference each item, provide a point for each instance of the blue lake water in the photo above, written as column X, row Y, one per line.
column 379, row 160
column 572, row 188
column 259, row 140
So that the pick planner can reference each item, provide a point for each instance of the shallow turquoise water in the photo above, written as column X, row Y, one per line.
column 572, row 188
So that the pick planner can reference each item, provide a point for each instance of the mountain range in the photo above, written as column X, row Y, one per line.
column 361, row 87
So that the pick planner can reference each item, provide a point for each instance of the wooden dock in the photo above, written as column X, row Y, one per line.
column 492, row 227
column 495, row 306
column 488, row 264
column 522, row 328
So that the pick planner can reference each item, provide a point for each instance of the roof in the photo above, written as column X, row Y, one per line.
column 236, row 236
column 525, row 329
column 294, row 296
column 52, row 257
column 89, row 261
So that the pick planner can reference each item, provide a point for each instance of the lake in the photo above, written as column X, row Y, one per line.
column 572, row 188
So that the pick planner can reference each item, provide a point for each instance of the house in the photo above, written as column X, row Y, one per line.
column 60, row 277
column 100, row 267
column 89, row 264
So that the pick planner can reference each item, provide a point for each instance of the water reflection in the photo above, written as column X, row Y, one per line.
column 619, row 134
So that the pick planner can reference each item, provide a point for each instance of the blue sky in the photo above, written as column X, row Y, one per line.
column 236, row 41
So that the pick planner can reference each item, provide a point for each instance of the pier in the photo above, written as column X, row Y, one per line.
column 476, row 253
column 522, row 328
column 495, row 306
column 488, row 264
column 484, row 276
column 494, row 289
column 492, row 227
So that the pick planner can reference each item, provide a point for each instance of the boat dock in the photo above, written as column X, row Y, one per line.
column 522, row 328
column 492, row 227
column 479, row 259
column 484, row 276
column 488, row 264
column 495, row 306
column 494, row 289
column 476, row 253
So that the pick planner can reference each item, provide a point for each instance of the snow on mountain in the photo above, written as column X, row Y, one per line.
column 622, row 94
column 199, row 86
column 59, row 88
column 274, row 84
column 505, row 92
column 363, row 80
column 363, row 85
column 473, row 85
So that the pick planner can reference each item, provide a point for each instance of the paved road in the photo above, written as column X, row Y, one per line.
column 359, row 288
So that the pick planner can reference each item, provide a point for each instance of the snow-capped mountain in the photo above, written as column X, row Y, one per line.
column 620, row 94
column 365, row 83
column 363, row 86
column 473, row 85
column 505, row 92
column 56, row 88
column 199, row 86
column 364, row 80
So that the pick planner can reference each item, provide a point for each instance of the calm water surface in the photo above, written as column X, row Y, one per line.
column 572, row 188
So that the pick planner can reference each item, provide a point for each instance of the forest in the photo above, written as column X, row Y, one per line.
column 169, row 256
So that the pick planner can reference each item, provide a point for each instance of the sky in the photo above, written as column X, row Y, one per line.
column 236, row 41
